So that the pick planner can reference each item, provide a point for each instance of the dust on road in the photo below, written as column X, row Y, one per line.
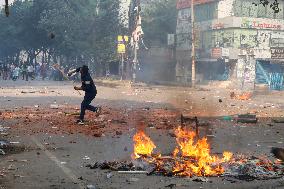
column 26, row 109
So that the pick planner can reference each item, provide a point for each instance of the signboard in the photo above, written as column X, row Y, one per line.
column 277, row 53
column 261, row 23
column 216, row 53
column 225, row 52
column 121, row 48
column 262, row 53
column 182, row 4
column 121, row 43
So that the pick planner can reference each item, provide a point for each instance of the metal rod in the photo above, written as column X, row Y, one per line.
column 122, row 66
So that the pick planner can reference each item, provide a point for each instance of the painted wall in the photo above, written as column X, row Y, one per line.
column 235, row 34
column 246, row 8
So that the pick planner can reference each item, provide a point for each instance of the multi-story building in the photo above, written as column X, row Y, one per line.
column 241, row 40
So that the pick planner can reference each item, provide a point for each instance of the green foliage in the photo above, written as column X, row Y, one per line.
column 158, row 20
column 65, row 28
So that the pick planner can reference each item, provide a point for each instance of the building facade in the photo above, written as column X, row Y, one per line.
column 241, row 40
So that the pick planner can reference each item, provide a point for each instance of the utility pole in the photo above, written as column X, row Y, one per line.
column 7, row 8
column 122, row 66
column 136, row 24
column 135, row 61
column 193, row 67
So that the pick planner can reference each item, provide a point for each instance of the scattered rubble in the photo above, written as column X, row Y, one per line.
column 278, row 152
column 2, row 152
column 90, row 186
column 247, row 118
column 193, row 159
column 242, row 168
column 278, row 120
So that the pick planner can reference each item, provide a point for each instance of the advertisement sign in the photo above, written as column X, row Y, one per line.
column 121, row 43
column 277, row 53
column 121, row 48
column 225, row 52
column 182, row 4
column 259, row 24
column 216, row 53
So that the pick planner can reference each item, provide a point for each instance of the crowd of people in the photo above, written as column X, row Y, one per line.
column 26, row 71
column 22, row 71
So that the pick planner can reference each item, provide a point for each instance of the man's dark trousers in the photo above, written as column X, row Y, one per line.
column 85, row 105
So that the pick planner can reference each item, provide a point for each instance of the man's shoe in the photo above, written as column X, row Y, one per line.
column 80, row 122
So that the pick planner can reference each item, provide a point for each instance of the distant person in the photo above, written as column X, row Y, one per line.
column 1, row 70
column 11, row 70
column 43, row 71
column 24, row 69
column 38, row 69
column 30, row 72
column 16, row 73
column 90, row 89
column 5, row 72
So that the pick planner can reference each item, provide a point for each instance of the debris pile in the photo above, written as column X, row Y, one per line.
column 192, row 158
column 254, row 168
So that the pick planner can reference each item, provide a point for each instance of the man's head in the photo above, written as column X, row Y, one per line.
column 84, row 70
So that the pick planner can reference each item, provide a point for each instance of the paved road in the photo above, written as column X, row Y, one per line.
column 58, row 161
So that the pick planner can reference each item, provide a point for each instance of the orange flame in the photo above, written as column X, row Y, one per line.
column 190, row 157
column 198, row 160
column 143, row 145
column 243, row 96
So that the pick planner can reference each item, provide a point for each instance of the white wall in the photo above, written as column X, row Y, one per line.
column 225, row 8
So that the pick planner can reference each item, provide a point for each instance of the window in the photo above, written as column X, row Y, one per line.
column 205, row 12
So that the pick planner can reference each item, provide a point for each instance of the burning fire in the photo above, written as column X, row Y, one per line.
column 244, row 96
column 143, row 145
column 191, row 156
column 196, row 156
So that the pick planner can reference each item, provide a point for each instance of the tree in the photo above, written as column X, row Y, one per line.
column 159, row 19
column 106, row 29
column 68, row 31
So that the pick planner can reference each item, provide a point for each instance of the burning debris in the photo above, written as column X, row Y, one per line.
column 243, row 96
column 143, row 145
column 192, row 158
